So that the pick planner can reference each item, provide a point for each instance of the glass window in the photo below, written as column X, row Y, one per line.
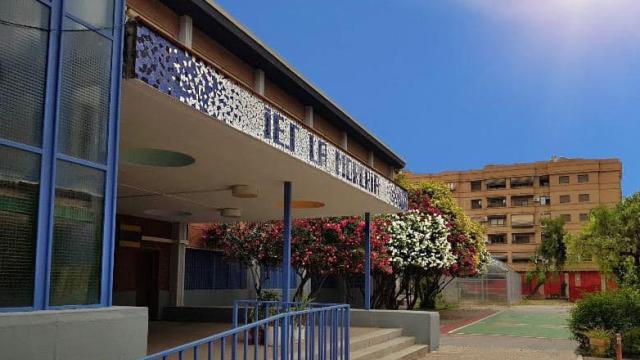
column 23, row 62
column 476, row 185
column 563, row 179
column 583, row 197
column 496, row 184
column 584, row 217
column 84, row 94
column 544, row 180
column 495, row 202
column 498, row 220
column 583, row 178
column 98, row 13
column 497, row 239
column 19, row 189
column 565, row 199
column 522, row 238
column 77, row 235
column 566, row 217
column 476, row 204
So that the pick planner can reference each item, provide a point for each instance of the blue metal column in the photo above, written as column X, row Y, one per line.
column 367, row 261
column 286, row 268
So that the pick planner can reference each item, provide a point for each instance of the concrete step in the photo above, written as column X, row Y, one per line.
column 373, row 338
column 414, row 352
column 383, row 349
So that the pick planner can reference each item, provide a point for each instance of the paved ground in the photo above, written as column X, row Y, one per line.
column 530, row 332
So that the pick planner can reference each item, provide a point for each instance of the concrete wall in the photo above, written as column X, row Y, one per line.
column 423, row 325
column 114, row 333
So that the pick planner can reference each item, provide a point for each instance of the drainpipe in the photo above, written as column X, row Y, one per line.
column 286, row 267
column 367, row 261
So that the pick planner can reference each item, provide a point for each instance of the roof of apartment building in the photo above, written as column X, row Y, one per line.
column 215, row 22
column 514, row 166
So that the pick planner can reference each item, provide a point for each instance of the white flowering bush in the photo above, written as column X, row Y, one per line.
column 420, row 240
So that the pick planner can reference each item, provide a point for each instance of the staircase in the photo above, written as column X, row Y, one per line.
column 386, row 344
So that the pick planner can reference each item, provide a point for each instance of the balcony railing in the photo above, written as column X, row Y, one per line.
column 274, row 330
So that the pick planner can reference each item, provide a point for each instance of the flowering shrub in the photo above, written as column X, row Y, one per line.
column 418, row 249
column 253, row 244
column 420, row 240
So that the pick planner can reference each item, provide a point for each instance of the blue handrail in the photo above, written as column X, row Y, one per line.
column 313, row 331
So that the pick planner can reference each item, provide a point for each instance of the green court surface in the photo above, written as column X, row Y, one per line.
column 550, row 325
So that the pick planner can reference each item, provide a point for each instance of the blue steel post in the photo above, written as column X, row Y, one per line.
column 286, row 267
column 367, row 261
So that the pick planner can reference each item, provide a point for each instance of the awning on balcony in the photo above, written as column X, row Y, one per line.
column 195, row 146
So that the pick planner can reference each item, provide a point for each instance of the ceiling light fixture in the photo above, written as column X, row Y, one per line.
column 244, row 191
column 231, row 212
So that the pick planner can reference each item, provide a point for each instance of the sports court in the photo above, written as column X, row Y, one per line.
column 522, row 321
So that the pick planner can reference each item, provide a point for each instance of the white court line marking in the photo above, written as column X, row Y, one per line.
column 475, row 322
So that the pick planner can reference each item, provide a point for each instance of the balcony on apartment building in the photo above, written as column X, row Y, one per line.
column 522, row 182
column 497, row 202
column 496, row 184
column 522, row 238
column 522, row 220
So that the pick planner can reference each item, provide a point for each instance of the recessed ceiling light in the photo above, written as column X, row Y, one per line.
column 155, row 157
column 244, row 191
column 231, row 212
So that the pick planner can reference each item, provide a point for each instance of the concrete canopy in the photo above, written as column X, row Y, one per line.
column 224, row 157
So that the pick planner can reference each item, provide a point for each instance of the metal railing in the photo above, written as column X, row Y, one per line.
column 271, row 330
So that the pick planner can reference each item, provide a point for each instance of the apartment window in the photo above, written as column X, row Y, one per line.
column 521, row 182
column 583, row 178
column 522, row 257
column 496, row 184
column 497, row 239
column 522, row 238
column 563, row 179
column 497, row 202
column 566, row 217
column 476, row 185
column 498, row 220
column 543, row 180
column 522, row 200
column 476, row 204
column 583, row 198
column 545, row 200
column 584, row 217
column 451, row 186
column 522, row 220
column 565, row 199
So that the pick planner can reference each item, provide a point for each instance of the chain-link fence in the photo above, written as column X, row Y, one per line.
column 499, row 285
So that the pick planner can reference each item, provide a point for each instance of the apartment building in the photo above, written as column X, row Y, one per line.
column 512, row 199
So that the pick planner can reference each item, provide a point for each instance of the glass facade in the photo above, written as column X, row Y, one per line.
column 59, row 71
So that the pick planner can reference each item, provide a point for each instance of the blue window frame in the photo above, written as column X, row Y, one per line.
column 79, row 36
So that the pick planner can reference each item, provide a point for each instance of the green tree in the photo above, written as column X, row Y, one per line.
column 551, row 254
column 612, row 239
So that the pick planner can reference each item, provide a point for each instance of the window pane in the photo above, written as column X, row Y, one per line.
column 84, row 94
column 23, row 60
column 77, row 235
column 19, row 181
column 98, row 13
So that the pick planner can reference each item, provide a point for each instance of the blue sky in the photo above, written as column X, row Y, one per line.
column 457, row 84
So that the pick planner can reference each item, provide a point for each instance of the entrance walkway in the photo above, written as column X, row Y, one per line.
column 168, row 334
column 525, row 332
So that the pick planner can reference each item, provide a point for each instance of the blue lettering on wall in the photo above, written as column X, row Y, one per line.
column 356, row 173
column 292, row 136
